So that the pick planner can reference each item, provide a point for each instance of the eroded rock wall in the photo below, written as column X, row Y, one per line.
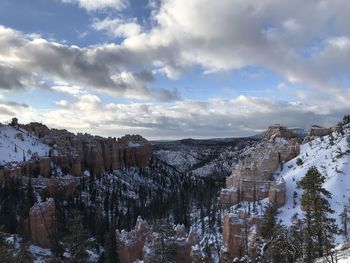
column 252, row 178
column 41, row 220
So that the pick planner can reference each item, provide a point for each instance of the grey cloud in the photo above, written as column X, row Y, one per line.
column 12, row 78
column 144, row 75
column 14, row 104
column 93, row 67
column 5, row 111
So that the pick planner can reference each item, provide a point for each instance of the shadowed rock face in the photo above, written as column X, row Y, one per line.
column 97, row 154
column 34, row 167
column 41, row 220
column 252, row 177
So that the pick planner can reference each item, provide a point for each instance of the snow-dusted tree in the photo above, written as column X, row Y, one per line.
column 319, row 227
column 345, row 220
column 269, row 221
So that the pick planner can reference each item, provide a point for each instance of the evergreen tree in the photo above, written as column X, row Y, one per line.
column 345, row 220
column 319, row 227
column 110, row 247
column 269, row 221
column 77, row 239
column 165, row 230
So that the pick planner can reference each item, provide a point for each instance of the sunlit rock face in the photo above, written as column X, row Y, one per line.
column 252, row 178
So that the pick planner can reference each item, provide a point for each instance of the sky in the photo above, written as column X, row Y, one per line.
column 170, row 69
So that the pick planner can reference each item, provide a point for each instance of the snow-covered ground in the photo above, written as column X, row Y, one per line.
column 15, row 144
column 331, row 156
column 341, row 254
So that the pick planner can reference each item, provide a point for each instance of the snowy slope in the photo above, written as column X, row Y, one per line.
column 16, row 142
column 341, row 253
column 202, row 157
column 332, row 158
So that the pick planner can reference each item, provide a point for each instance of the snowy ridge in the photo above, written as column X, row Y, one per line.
column 331, row 155
column 15, row 144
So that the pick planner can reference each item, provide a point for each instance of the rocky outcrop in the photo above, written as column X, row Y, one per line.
column 41, row 220
column 130, row 244
column 232, row 238
column 36, row 128
column 75, row 153
column 38, row 166
column 142, row 244
column 318, row 131
column 238, row 236
column 277, row 193
column 279, row 131
column 177, row 248
column 252, row 178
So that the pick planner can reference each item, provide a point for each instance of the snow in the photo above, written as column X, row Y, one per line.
column 39, row 251
column 331, row 155
column 180, row 159
column 341, row 253
column 92, row 255
column 15, row 142
column 133, row 144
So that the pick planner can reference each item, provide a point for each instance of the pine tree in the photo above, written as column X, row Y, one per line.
column 77, row 239
column 269, row 221
column 319, row 227
column 345, row 220
column 111, row 255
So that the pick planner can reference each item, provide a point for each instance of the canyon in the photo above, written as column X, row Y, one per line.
column 61, row 165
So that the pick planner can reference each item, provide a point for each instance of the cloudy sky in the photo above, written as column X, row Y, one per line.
column 174, row 68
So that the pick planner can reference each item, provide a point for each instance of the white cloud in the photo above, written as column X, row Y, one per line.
column 95, row 5
column 118, row 27
column 73, row 90
column 340, row 42
column 231, row 34
column 240, row 116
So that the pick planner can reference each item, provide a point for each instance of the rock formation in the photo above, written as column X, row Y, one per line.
column 318, row 131
column 143, row 244
column 252, row 178
column 74, row 154
column 130, row 244
column 41, row 220
column 238, row 237
column 37, row 166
